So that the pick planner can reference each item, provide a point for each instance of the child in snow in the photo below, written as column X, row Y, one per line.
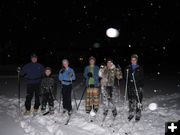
column 47, row 90
column 66, row 76
column 135, row 80
column 108, row 75
column 92, row 84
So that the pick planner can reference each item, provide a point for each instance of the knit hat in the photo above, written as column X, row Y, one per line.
column 134, row 56
column 48, row 68
column 92, row 58
column 34, row 55
column 110, row 60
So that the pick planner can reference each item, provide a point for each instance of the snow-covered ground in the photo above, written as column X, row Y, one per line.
column 152, row 122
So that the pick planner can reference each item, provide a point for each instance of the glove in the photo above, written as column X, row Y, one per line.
column 19, row 69
column 90, row 74
column 62, row 70
column 70, row 74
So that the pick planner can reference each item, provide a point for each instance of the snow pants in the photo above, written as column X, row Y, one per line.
column 66, row 96
column 47, row 98
column 31, row 90
column 133, row 100
column 92, row 99
column 107, row 97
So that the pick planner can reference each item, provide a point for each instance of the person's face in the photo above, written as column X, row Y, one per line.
column 109, row 64
column 48, row 72
column 92, row 62
column 65, row 64
column 133, row 61
column 34, row 59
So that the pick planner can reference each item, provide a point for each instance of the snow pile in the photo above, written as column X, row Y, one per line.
column 151, row 123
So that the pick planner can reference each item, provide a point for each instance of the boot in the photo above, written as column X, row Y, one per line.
column 27, row 112
column 114, row 112
column 131, row 116
column 105, row 112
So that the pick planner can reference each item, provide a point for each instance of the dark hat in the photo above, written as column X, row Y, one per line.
column 134, row 56
column 109, row 59
column 48, row 68
column 33, row 55
column 92, row 58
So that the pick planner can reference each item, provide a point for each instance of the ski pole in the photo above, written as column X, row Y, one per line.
column 74, row 95
column 127, row 76
column 136, row 89
column 19, row 89
column 81, row 98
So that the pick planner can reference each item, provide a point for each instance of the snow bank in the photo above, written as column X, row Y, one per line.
column 151, row 123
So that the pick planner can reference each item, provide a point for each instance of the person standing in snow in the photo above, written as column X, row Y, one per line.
column 66, row 76
column 33, row 73
column 47, row 91
column 108, row 74
column 135, row 77
column 92, row 85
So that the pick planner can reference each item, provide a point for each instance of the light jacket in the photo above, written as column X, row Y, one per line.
column 67, row 76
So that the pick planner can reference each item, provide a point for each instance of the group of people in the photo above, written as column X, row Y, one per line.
column 98, row 81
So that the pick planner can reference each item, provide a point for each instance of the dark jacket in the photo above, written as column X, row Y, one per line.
column 33, row 73
column 138, row 74
column 95, row 75
column 48, row 85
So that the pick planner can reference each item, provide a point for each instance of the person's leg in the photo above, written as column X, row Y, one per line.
column 29, row 97
column 138, row 107
column 132, row 102
column 105, row 101
column 51, row 103
column 111, row 102
column 44, row 102
column 96, row 99
column 64, row 90
column 68, row 96
column 88, row 100
column 37, row 96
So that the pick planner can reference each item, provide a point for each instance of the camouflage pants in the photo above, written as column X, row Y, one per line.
column 107, row 97
column 92, row 99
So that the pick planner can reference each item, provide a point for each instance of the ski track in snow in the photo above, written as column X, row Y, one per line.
column 151, row 123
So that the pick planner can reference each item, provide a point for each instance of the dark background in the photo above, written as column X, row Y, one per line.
column 72, row 29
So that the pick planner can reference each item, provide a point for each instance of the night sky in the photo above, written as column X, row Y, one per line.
column 76, row 29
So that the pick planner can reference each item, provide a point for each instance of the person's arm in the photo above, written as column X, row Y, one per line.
column 73, row 75
column 23, row 71
column 119, row 74
column 60, row 76
column 42, row 71
column 85, row 73
column 141, row 77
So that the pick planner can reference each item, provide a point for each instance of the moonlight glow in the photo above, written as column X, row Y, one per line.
column 112, row 33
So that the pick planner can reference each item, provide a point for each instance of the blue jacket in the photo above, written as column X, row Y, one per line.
column 33, row 73
column 67, row 76
column 95, row 75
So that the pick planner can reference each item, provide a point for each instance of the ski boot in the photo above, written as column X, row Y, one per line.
column 51, row 110
column 114, row 112
column 27, row 112
column 131, row 116
column 105, row 112
column 138, row 117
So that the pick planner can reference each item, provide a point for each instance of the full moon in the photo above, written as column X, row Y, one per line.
column 153, row 106
column 112, row 33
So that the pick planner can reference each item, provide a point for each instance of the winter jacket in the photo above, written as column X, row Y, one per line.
column 138, row 75
column 67, row 76
column 95, row 75
column 109, row 75
column 33, row 73
column 48, row 85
